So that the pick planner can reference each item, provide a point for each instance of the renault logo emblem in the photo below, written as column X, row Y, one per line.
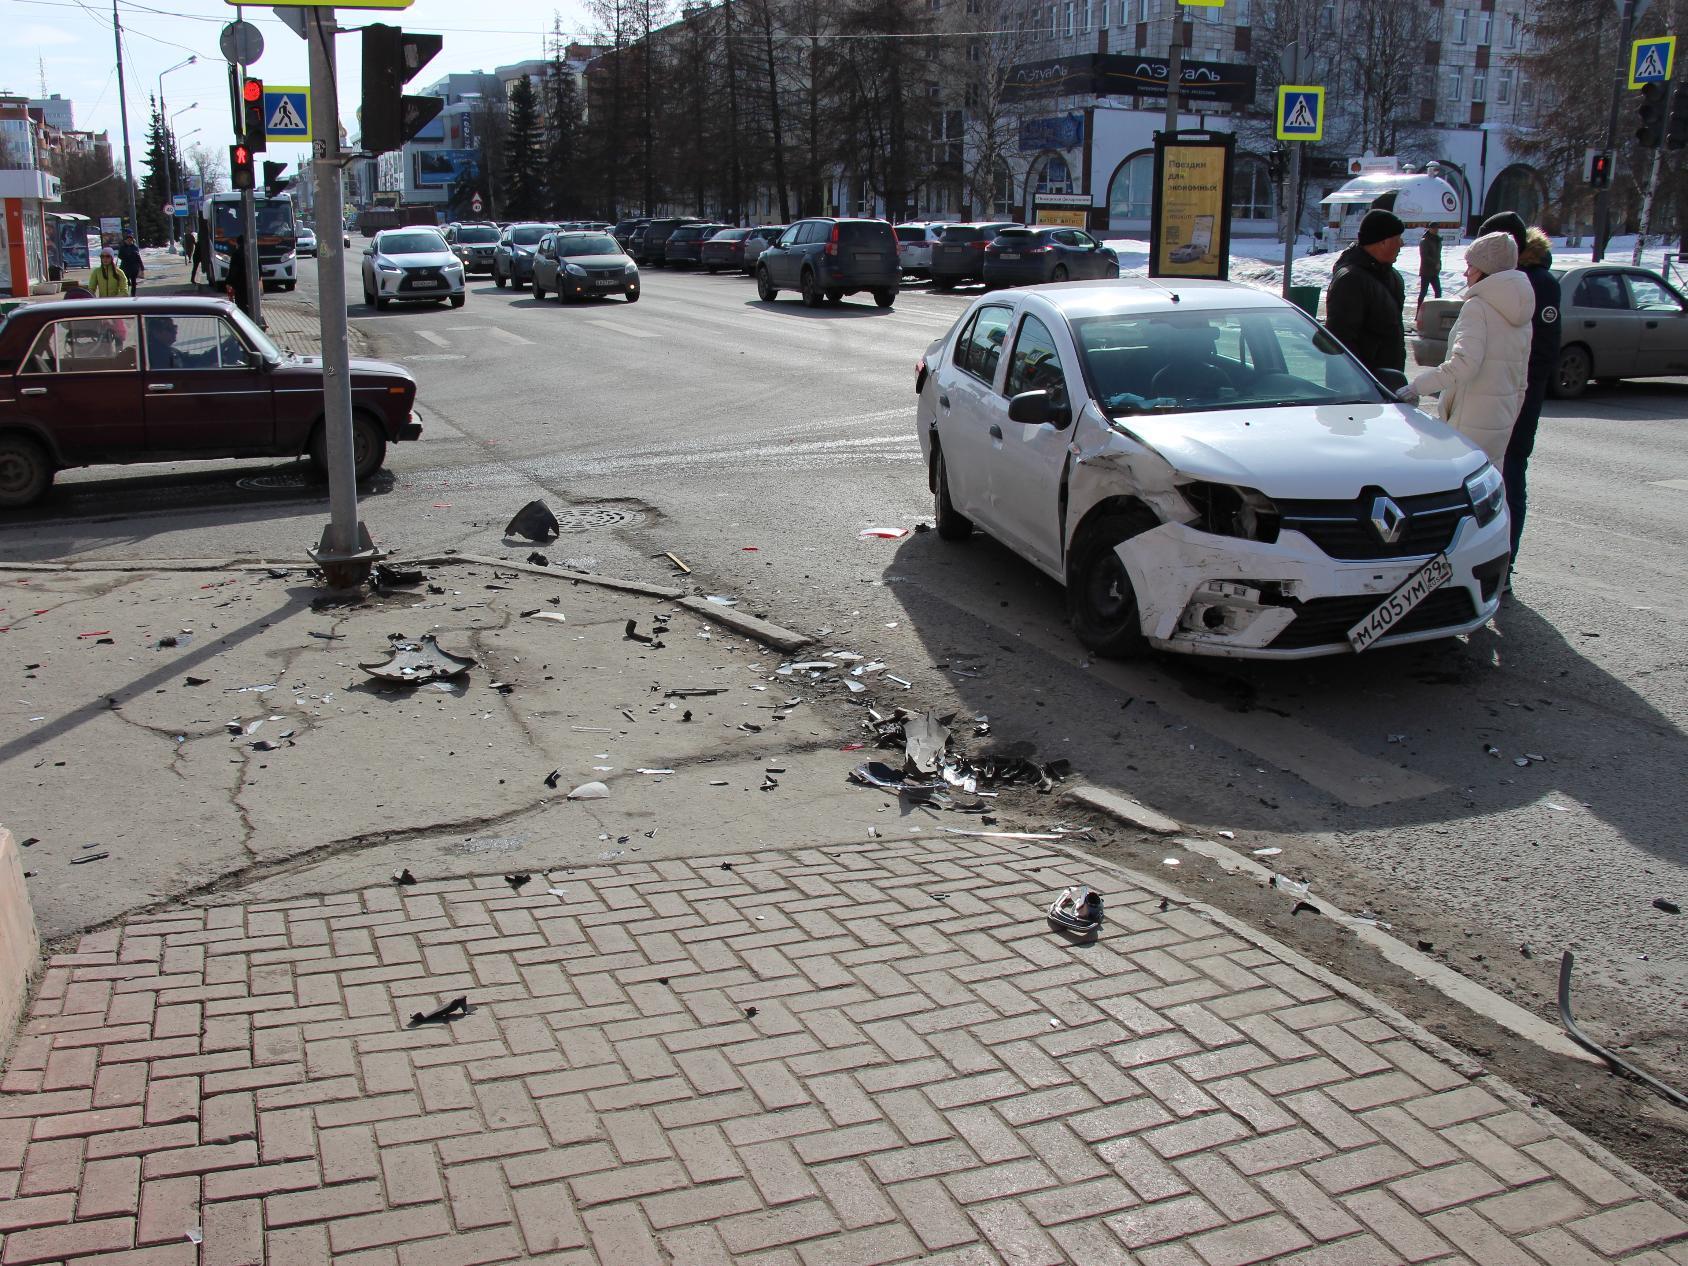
column 1388, row 520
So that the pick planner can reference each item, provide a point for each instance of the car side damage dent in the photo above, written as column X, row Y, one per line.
column 1106, row 462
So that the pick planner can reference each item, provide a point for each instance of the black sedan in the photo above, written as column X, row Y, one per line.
column 512, row 261
column 581, row 265
column 684, row 247
column 1030, row 256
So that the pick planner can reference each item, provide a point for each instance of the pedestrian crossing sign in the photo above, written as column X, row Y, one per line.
column 1301, row 112
column 287, row 113
column 1652, row 61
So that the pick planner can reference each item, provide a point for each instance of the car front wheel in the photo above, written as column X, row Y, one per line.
column 952, row 524
column 1571, row 372
column 1101, row 603
column 369, row 448
column 538, row 290
column 498, row 279
column 765, row 286
column 25, row 471
column 457, row 301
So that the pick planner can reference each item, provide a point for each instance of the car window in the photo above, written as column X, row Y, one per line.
column 193, row 342
column 525, row 236
column 87, row 345
column 1082, row 239
column 818, row 231
column 869, row 233
column 1036, row 364
column 481, row 235
column 573, row 244
column 980, row 345
column 418, row 243
column 1648, row 295
column 1600, row 290
column 910, row 233
column 967, row 233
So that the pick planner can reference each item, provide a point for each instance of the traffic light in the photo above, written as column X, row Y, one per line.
column 273, row 179
column 1277, row 163
column 1599, row 169
column 252, row 114
column 1650, row 116
column 240, row 166
column 1676, row 132
column 391, row 58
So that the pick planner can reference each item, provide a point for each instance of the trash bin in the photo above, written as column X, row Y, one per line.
column 1306, row 298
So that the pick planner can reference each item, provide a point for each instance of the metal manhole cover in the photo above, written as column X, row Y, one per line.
column 285, row 481
column 595, row 518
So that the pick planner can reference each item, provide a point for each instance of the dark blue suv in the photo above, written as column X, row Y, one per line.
column 824, row 260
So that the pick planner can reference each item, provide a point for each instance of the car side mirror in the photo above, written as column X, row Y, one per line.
column 1394, row 379
column 369, row 250
column 1031, row 407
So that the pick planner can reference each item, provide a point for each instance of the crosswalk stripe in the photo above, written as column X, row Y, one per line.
column 619, row 328
column 508, row 337
column 433, row 338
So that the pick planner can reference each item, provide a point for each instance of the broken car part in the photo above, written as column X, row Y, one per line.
column 1077, row 912
column 413, row 663
column 1566, row 961
column 441, row 1015
column 534, row 522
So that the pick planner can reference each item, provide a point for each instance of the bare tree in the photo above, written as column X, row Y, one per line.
column 1386, row 42
column 208, row 166
column 994, row 40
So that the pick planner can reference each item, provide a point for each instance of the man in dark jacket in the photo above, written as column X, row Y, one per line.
column 1363, row 307
column 1430, row 263
column 129, row 260
column 1535, row 257
column 237, row 280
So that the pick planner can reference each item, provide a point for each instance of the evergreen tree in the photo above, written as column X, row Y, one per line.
column 166, row 175
column 565, row 168
column 523, row 178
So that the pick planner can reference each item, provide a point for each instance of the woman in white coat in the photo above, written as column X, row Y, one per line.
column 1482, row 380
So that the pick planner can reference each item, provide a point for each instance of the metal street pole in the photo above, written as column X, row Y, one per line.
column 169, row 152
column 123, row 113
column 345, row 552
column 1603, row 199
column 1290, row 66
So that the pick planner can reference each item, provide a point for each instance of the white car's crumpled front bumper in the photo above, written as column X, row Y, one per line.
column 1213, row 595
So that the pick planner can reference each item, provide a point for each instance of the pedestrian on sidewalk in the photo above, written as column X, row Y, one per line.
column 1535, row 258
column 1429, row 264
column 129, row 259
column 1363, row 307
column 238, row 289
column 190, row 253
column 108, row 281
column 1482, row 380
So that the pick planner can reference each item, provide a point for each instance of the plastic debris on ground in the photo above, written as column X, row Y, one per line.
column 1077, row 912
column 413, row 663
column 721, row 600
column 933, row 763
column 556, row 617
column 534, row 522
column 452, row 1010
column 882, row 533
column 590, row 791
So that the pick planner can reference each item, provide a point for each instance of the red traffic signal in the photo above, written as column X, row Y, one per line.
column 240, row 167
column 1600, row 170
column 252, row 90
column 252, row 129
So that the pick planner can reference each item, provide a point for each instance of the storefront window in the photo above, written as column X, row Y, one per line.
column 1131, row 191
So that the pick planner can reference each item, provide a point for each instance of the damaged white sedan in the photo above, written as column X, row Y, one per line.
column 1206, row 470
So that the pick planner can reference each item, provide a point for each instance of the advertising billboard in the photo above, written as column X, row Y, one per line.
column 1190, row 223
column 443, row 168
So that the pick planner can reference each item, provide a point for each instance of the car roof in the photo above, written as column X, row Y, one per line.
column 147, row 306
column 1131, row 296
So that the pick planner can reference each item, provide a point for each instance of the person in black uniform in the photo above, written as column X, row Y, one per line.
column 1363, row 307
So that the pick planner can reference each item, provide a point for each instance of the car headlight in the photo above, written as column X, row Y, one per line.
column 574, row 270
column 632, row 270
column 1487, row 491
column 386, row 267
column 1224, row 510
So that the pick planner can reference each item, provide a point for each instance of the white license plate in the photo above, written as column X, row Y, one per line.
column 426, row 285
column 607, row 282
column 867, row 257
column 1009, row 255
column 1408, row 594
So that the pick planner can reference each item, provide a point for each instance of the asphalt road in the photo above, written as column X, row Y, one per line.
column 756, row 442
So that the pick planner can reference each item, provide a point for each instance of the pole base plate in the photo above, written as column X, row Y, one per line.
column 346, row 570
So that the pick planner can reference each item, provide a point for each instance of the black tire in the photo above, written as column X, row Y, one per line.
column 952, row 524
column 713, row 269
column 810, row 288
column 633, row 295
column 1571, row 372
column 368, row 298
column 1608, row 383
column 1101, row 604
column 538, row 290
column 26, row 471
column 381, row 302
column 884, row 298
column 765, row 286
column 1059, row 273
column 942, row 285
column 835, row 297
column 457, row 301
column 498, row 279
column 369, row 448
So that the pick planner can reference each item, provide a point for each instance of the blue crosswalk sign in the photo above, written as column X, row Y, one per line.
column 1652, row 61
column 1301, row 112
column 287, row 113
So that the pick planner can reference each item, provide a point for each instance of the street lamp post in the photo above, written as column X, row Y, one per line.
column 169, row 147
column 171, row 139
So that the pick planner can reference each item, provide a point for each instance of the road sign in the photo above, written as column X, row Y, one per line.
column 337, row 4
column 287, row 113
column 1301, row 112
column 475, row 204
column 1204, row 4
column 179, row 205
column 1652, row 61
column 241, row 43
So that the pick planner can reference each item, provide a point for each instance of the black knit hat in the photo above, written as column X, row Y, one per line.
column 1509, row 222
column 1379, row 225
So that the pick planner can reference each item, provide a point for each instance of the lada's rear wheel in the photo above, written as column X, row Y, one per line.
column 1101, row 604
column 25, row 471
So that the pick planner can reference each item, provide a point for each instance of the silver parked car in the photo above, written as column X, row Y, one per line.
column 1615, row 322
column 411, row 265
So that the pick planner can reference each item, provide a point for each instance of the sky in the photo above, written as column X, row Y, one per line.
column 70, row 42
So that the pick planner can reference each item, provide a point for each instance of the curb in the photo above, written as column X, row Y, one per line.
column 1478, row 999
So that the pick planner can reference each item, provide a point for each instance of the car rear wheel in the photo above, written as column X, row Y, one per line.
column 1101, row 603
column 498, row 279
column 765, row 286
column 884, row 298
column 538, row 290
column 457, row 301
column 26, row 471
column 1571, row 372
column 811, row 289
column 369, row 447
column 1059, row 274
column 713, row 269
column 952, row 524
column 943, row 283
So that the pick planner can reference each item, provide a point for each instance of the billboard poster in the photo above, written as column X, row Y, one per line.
column 1232, row 83
column 73, row 243
column 443, row 168
column 1190, row 221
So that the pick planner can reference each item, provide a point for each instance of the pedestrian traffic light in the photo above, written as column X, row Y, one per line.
column 240, row 166
column 1676, row 132
column 273, row 179
column 1650, row 116
column 391, row 58
column 1277, row 163
column 252, row 121
column 1599, row 169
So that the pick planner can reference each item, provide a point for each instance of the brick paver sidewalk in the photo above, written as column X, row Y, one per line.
column 833, row 1057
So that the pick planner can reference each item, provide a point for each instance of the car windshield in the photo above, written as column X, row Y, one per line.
column 966, row 233
column 911, row 233
column 412, row 244
column 256, row 336
column 587, row 244
column 274, row 218
column 731, row 235
column 528, row 234
column 478, row 235
column 1190, row 361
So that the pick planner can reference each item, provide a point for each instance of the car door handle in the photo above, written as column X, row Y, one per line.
column 943, row 401
column 1589, row 325
column 996, row 431
column 33, row 391
column 161, row 386
column 1652, row 325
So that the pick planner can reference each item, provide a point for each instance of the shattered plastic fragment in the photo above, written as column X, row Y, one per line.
column 590, row 791
column 413, row 663
column 1667, row 905
column 653, row 771
column 404, row 878
column 517, row 881
column 557, row 892
column 441, row 1015
column 1267, row 852
column 556, row 617
column 535, row 522
column 925, row 741
column 196, row 1235
column 721, row 600
column 883, row 534
column 855, row 687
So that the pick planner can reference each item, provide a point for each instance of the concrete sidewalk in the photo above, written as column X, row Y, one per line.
column 742, row 1011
